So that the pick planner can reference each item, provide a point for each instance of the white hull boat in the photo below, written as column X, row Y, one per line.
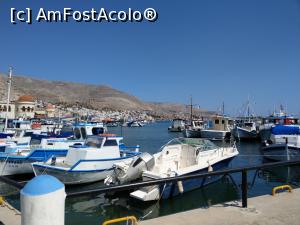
column 241, row 133
column 88, row 163
column 17, row 159
column 180, row 156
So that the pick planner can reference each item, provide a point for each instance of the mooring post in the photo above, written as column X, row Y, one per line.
column 43, row 201
column 244, row 189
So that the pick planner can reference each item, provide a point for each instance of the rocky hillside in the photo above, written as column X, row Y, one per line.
column 93, row 96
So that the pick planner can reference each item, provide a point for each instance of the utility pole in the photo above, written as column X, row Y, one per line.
column 8, row 96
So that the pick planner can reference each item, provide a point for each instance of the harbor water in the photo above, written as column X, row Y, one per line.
column 94, row 209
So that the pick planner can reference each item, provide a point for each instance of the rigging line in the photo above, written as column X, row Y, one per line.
column 154, row 206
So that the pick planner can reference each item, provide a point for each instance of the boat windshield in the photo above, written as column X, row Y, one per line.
column 202, row 143
column 94, row 142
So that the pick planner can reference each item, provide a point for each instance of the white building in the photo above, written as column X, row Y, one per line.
column 11, row 110
column 24, row 107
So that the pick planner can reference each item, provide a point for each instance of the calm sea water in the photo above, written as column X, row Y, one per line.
column 94, row 209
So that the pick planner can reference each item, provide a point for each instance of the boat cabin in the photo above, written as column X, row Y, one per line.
column 218, row 123
column 83, row 130
column 95, row 148
column 281, row 120
column 18, row 125
column 197, row 124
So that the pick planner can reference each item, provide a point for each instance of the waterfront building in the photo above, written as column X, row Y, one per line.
column 24, row 107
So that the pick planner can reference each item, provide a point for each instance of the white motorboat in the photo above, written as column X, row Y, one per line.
column 284, row 143
column 88, row 163
column 180, row 156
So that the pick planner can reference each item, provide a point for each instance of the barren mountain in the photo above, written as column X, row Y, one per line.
column 94, row 96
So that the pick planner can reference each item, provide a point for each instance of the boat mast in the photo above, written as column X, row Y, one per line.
column 191, row 110
column 223, row 109
column 248, row 109
column 8, row 97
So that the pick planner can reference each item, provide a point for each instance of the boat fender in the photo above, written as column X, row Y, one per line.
column 53, row 161
column 210, row 169
column 137, row 149
column 180, row 186
column 267, row 143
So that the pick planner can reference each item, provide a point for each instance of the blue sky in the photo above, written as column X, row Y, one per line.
column 215, row 50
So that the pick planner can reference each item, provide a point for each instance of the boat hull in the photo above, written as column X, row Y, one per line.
column 281, row 152
column 192, row 133
column 243, row 134
column 84, row 171
column 14, row 164
column 174, row 189
column 214, row 134
column 74, row 177
column 14, row 167
column 265, row 134
column 175, row 129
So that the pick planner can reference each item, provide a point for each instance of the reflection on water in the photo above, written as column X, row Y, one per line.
column 287, row 174
column 7, row 190
column 94, row 209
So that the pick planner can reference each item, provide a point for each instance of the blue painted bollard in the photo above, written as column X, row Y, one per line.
column 43, row 201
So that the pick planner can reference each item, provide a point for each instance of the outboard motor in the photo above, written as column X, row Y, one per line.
column 126, row 172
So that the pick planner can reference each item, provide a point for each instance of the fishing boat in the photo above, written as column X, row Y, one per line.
column 284, row 143
column 17, row 159
column 88, row 163
column 277, row 118
column 246, row 126
column 194, row 130
column 18, row 131
column 180, row 156
column 195, row 127
column 216, row 128
column 245, row 129
column 178, row 125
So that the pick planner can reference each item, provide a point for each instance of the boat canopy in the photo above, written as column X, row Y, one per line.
column 285, row 130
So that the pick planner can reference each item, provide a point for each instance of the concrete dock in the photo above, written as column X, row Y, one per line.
column 281, row 209
column 9, row 215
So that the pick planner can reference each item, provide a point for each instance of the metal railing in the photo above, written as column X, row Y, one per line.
column 117, row 188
